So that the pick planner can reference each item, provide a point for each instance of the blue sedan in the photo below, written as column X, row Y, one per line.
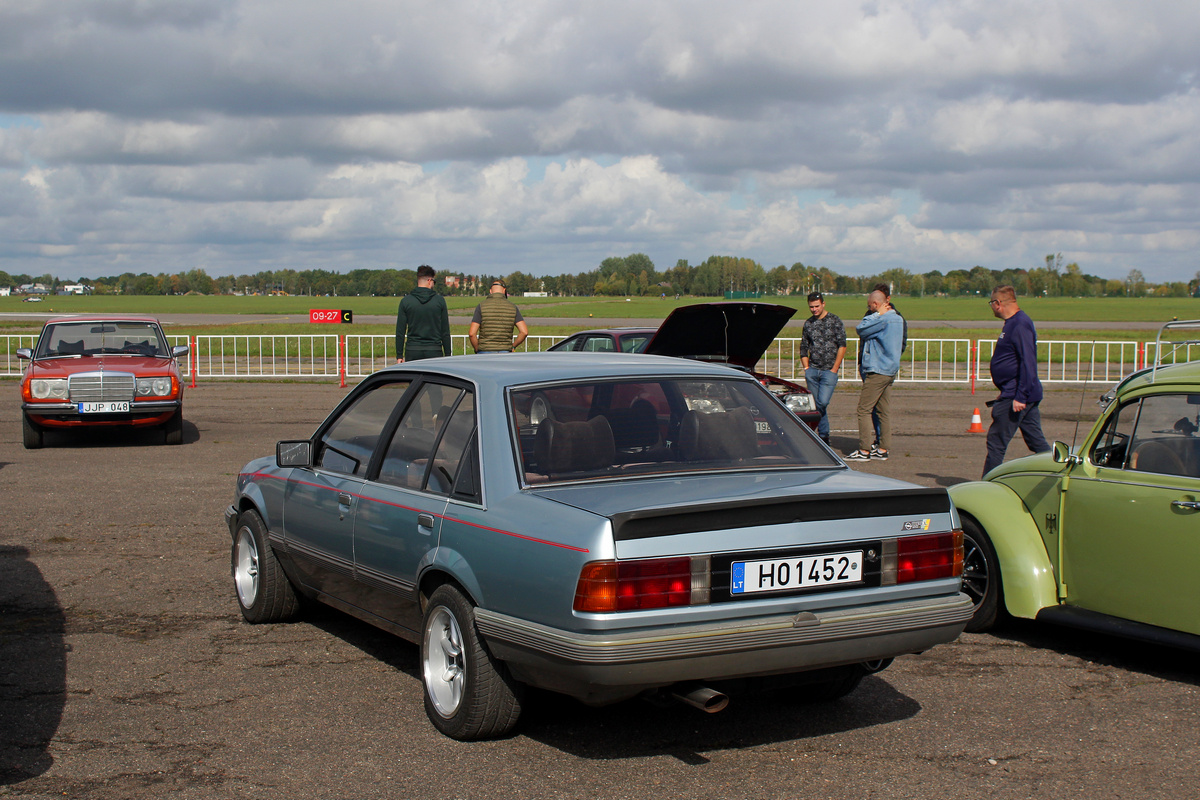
column 597, row 525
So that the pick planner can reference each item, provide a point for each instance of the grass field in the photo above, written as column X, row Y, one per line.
column 1152, row 311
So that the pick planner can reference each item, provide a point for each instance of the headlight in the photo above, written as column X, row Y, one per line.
column 154, row 387
column 42, row 389
column 800, row 403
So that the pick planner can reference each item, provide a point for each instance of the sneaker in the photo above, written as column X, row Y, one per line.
column 878, row 455
column 825, row 439
column 875, row 448
column 859, row 455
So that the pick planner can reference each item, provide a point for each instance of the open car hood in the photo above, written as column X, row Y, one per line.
column 732, row 332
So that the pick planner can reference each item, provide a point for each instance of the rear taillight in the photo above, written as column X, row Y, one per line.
column 927, row 558
column 606, row 586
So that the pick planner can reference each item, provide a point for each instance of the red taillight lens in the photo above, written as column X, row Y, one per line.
column 926, row 558
column 631, row 585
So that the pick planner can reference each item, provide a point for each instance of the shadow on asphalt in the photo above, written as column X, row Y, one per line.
column 637, row 728
column 33, row 667
column 944, row 480
column 115, row 436
column 1165, row 663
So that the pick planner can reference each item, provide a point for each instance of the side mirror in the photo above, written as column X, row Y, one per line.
column 293, row 453
column 1062, row 454
column 25, row 353
column 179, row 351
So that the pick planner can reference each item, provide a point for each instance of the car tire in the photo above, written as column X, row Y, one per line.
column 540, row 409
column 173, row 428
column 981, row 577
column 31, row 435
column 259, row 582
column 469, row 694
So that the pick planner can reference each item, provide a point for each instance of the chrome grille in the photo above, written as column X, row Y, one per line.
column 95, row 387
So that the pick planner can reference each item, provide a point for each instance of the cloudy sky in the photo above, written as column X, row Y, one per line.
column 237, row 136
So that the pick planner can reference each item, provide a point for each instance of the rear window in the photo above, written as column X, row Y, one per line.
column 608, row 429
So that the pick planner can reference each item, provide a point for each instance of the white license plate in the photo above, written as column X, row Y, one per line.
column 802, row 572
column 104, row 408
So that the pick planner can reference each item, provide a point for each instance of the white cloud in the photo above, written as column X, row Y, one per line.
column 158, row 134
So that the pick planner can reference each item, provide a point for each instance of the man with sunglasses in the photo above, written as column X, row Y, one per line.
column 1014, row 371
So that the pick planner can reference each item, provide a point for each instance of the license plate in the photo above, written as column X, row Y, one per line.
column 801, row 572
column 121, row 407
column 762, row 427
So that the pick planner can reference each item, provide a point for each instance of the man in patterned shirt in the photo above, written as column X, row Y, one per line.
column 822, row 348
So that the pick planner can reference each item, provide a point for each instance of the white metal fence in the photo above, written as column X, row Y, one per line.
column 353, row 356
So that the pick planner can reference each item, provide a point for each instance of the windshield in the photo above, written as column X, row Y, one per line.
column 114, row 337
column 609, row 429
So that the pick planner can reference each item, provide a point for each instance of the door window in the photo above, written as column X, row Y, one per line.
column 452, row 446
column 347, row 445
column 598, row 344
column 408, row 454
column 1164, row 436
column 1112, row 447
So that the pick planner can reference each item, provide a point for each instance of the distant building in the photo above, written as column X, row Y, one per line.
column 536, row 294
column 74, row 288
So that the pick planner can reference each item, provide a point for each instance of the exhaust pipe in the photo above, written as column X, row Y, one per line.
column 707, row 700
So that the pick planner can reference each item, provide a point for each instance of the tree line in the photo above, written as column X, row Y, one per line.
column 636, row 275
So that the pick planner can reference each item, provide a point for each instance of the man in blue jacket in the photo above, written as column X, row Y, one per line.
column 882, row 335
column 1014, row 371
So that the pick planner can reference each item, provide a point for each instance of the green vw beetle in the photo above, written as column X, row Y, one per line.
column 1106, row 537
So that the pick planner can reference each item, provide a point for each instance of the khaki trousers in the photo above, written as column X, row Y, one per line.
column 875, row 395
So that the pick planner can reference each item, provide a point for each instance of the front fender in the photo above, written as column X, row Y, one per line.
column 1026, row 572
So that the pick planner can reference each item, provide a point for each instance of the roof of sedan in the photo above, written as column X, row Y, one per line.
column 512, row 369
column 627, row 329
column 102, row 318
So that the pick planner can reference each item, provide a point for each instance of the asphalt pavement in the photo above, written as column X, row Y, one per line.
column 127, row 672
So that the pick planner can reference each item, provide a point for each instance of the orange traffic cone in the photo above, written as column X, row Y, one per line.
column 976, row 423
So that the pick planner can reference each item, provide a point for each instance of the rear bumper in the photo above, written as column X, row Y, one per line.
column 600, row 668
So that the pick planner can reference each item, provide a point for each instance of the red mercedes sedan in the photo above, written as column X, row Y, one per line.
column 101, row 371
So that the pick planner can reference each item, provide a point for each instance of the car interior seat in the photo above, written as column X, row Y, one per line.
column 1155, row 456
column 730, row 434
column 574, row 446
column 634, row 428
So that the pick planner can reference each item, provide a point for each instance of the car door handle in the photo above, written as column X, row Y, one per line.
column 1190, row 505
column 343, row 498
column 425, row 520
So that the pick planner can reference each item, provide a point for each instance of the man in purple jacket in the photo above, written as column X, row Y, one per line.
column 1014, row 371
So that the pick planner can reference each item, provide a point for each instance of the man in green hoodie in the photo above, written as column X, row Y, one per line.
column 423, row 318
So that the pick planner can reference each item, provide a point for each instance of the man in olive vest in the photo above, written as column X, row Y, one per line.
column 492, row 325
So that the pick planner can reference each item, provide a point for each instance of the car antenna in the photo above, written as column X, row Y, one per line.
column 725, row 332
column 1091, row 373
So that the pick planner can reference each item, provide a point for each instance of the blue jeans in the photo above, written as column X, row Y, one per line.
column 1005, row 423
column 821, row 383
